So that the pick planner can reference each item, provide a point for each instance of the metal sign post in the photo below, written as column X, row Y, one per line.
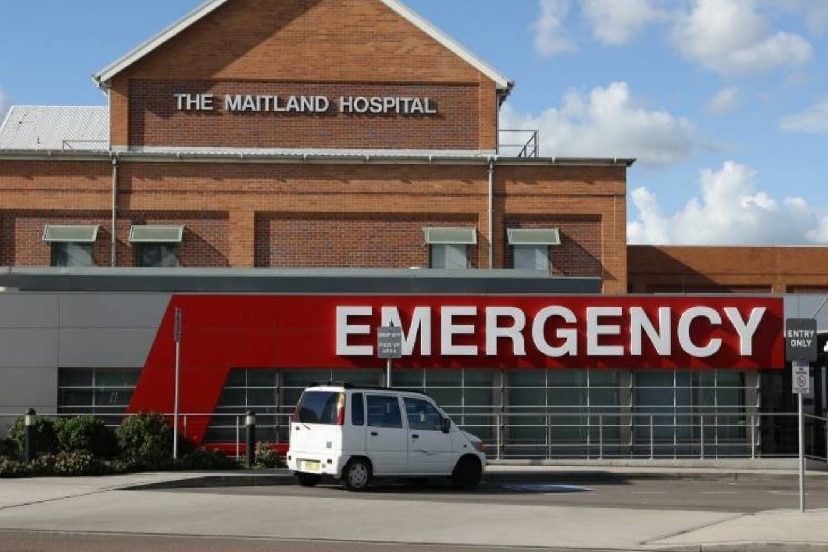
column 389, row 346
column 801, row 386
column 177, row 336
column 800, row 351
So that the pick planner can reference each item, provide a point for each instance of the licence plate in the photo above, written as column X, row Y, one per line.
column 313, row 466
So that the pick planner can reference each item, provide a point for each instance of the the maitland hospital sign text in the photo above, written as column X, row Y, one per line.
column 251, row 103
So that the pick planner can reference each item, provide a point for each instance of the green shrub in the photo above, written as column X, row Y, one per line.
column 266, row 457
column 46, row 440
column 69, row 464
column 9, row 449
column 203, row 459
column 13, row 468
column 87, row 434
column 145, row 441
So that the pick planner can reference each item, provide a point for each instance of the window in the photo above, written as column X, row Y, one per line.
column 102, row 392
column 384, row 411
column 160, row 255
column 530, row 247
column 157, row 246
column 71, row 244
column 422, row 415
column 71, row 254
column 319, row 407
column 449, row 246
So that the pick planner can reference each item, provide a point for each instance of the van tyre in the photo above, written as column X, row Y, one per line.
column 466, row 474
column 308, row 479
column 357, row 475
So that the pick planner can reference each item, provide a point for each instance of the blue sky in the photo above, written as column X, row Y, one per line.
column 723, row 102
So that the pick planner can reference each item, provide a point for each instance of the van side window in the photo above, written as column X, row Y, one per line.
column 357, row 410
column 422, row 414
column 384, row 411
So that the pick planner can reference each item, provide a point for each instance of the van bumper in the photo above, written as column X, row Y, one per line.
column 314, row 462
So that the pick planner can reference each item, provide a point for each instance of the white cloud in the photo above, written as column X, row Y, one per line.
column 813, row 120
column 551, row 36
column 725, row 99
column 814, row 12
column 608, row 122
column 729, row 210
column 618, row 21
column 731, row 38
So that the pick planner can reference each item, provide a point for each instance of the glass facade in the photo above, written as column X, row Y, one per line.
column 102, row 392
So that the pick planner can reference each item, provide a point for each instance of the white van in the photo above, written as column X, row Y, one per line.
column 355, row 433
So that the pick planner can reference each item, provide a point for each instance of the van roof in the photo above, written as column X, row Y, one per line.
column 364, row 386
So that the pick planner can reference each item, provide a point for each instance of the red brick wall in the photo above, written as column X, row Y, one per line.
column 698, row 269
column 352, row 44
column 366, row 240
column 155, row 119
column 21, row 235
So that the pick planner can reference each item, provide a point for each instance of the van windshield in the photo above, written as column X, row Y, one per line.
column 318, row 407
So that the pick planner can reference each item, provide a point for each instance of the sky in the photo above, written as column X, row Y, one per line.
column 723, row 103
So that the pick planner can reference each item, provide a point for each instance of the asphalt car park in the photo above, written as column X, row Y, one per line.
column 747, row 496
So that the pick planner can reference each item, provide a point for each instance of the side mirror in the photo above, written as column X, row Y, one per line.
column 445, row 425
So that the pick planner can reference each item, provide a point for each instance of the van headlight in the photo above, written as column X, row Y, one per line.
column 480, row 447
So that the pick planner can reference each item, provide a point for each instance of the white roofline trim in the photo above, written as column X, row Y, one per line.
column 106, row 75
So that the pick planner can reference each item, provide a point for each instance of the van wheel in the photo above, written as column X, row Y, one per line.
column 308, row 479
column 357, row 475
column 466, row 474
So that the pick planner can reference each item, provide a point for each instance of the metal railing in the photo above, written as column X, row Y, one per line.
column 543, row 434
column 519, row 143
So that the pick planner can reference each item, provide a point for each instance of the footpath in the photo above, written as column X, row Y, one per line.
column 101, row 505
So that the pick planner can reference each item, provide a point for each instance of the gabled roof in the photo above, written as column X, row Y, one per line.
column 107, row 74
column 55, row 128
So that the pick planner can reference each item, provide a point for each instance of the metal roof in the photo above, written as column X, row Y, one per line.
column 106, row 75
column 52, row 128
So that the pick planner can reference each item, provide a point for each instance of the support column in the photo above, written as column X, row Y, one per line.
column 242, row 253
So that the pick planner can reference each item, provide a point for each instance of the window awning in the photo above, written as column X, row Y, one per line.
column 147, row 233
column 451, row 236
column 534, row 236
column 74, row 233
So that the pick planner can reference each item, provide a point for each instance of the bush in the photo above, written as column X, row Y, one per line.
column 266, row 457
column 145, row 441
column 46, row 440
column 87, row 434
column 203, row 459
column 13, row 468
column 69, row 464
column 9, row 449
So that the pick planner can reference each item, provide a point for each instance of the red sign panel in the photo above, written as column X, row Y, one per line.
column 220, row 332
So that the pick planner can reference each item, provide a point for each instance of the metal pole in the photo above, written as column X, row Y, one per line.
column 388, row 382
column 238, row 439
column 30, row 442
column 250, row 422
column 801, row 454
column 177, row 335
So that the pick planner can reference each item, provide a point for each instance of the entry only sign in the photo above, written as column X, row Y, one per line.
column 801, row 339
column 389, row 342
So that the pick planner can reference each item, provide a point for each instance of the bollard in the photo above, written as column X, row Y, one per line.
column 250, row 424
column 30, row 442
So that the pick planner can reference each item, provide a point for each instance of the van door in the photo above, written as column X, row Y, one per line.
column 386, row 438
column 429, row 449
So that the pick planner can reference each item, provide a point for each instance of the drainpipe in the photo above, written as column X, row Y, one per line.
column 114, row 232
column 491, row 211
